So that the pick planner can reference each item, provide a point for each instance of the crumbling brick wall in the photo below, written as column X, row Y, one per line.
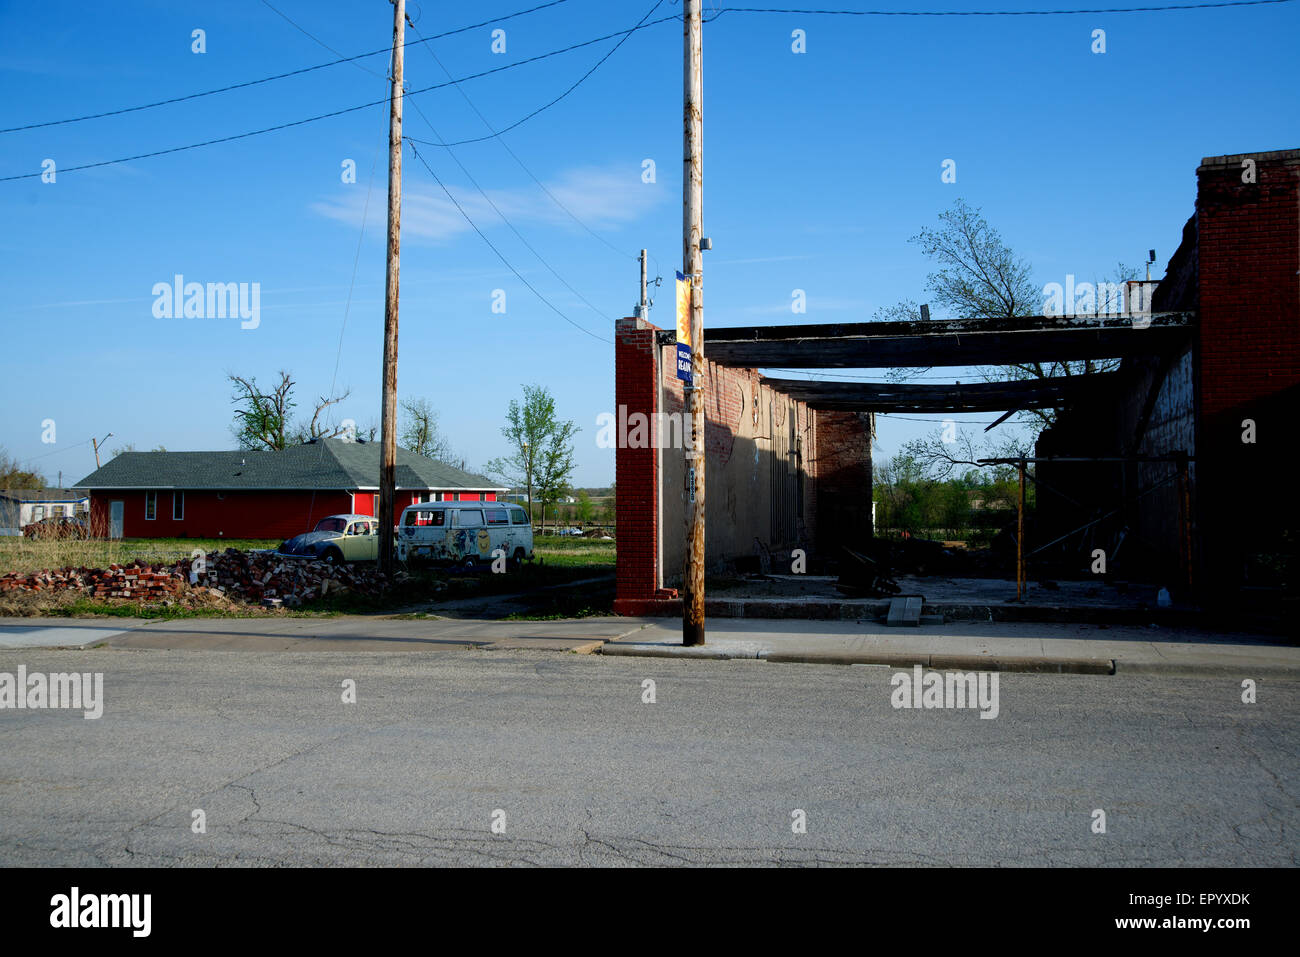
column 763, row 470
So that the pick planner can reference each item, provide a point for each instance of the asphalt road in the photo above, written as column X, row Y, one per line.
column 586, row 773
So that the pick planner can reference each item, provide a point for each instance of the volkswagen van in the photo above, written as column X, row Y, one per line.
column 464, row 533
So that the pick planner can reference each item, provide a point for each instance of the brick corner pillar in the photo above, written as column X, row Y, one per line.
column 636, row 390
column 1247, row 359
column 1248, row 284
column 843, row 456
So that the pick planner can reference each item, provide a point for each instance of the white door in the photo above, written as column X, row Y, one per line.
column 115, row 513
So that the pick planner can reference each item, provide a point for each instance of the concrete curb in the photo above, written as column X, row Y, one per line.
column 1023, row 664
column 632, row 649
column 1208, row 669
column 1034, row 665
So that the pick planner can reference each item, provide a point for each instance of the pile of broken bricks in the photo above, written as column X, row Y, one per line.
column 250, row 577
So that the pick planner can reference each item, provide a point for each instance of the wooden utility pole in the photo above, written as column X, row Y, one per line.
column 388, row 414
column 97, row 443
column 693, row 266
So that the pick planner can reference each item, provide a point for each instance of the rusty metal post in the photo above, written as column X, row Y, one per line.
column 692, row 260
column 1020, row 534
column 388, row 388
column 1185, row 522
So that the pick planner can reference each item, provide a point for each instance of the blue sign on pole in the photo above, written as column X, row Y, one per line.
column 683, row 362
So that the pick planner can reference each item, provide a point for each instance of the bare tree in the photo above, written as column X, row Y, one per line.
column 261, row 418
column 944, row 450
column 980, row 277
column 420, row 431
column 306, row 432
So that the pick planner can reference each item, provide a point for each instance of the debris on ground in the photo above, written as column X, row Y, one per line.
column 228, row 576
column 862, row 576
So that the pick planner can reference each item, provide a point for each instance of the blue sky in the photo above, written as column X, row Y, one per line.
column 817, row 168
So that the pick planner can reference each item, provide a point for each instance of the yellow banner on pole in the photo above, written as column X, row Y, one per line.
column 683, row 310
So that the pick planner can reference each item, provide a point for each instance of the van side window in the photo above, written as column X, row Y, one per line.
column 517, row 517
column 497, row 516
column 425, row 518
column 469, row 517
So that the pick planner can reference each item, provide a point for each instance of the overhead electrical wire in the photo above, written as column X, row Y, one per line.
column 543, row 56
column 349, row 109
column 577, row 83
column 505, row 262
column 515, row 156
column 468, row 174
column 280, row 76
column 1170, row 8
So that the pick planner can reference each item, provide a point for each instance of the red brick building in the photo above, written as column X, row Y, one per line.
column 268, row 495
column 1227, row 399
column 779, row 475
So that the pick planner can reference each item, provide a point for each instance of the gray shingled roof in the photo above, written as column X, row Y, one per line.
column 42, row 495
column 332, row 464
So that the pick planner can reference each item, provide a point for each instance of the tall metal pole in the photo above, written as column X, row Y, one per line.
column 645, row 306
column 692, row 202
column 388, row 420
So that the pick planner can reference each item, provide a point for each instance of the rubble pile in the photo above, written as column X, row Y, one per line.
column 232, row 575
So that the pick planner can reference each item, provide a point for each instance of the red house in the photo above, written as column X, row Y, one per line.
column 261, row 494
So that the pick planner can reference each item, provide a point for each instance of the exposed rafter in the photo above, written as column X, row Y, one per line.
column 948, row 342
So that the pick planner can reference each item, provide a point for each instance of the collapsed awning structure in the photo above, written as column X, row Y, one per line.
column 950, row 342
column 947, row 342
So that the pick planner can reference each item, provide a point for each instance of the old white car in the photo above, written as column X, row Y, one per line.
column 464, row 533
column 336, row 539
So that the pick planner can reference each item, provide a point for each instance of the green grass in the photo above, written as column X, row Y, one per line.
column 558, row 560
column 562, row 550
column 23, row 555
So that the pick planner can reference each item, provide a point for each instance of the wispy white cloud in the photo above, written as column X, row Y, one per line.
column 601, row 198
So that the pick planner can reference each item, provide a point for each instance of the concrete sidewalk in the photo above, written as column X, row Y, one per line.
column 967, row 646
column 973, row 646
column 355, row 633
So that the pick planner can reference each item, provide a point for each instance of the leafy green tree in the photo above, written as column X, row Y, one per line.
column 15, row 476
column 541, row 449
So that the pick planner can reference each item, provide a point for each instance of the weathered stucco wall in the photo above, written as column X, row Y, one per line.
column 773, row 469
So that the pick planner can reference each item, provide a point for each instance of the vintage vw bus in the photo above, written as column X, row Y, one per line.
column 464, row 533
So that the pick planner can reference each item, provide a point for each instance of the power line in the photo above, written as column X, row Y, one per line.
column 503, row 259
column 278, row 76
column 482, row 192
column 1000, row 13
column 505, row 220
column 333, row 113
column 577, row 83
column 474, row 26
column 515, row 157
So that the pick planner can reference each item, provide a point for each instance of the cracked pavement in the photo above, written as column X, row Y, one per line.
column 588, row 774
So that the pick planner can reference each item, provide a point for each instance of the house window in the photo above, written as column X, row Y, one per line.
column 38, row 512
column 178, row 506
column 150, row 506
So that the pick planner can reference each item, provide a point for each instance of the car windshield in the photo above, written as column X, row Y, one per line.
column 331, row 525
